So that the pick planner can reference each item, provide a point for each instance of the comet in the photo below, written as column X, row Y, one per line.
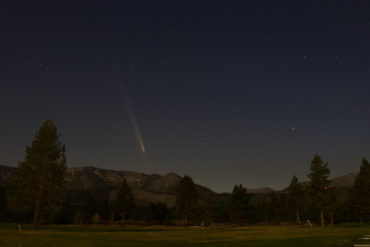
column 131, row 113
column 134, row 124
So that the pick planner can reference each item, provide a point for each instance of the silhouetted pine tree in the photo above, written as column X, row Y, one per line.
column 239, row 204
column 125, row 202
column 187, row 199
column 360, row 194
column 318, row 186
column 295, row 197
column 39, row 178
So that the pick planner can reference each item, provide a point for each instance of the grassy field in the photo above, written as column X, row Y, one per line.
column 60, row 236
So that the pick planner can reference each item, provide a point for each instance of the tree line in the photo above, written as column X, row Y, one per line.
column 34, row 196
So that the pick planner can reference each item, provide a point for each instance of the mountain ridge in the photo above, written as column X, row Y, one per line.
column 85, row 182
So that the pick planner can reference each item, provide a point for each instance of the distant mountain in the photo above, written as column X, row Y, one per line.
column 85, row 182
column 345, row 181
column 103, row 183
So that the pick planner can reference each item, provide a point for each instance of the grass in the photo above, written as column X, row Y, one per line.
column 71, row 235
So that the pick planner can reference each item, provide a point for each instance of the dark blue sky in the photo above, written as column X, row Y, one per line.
column 227, row 92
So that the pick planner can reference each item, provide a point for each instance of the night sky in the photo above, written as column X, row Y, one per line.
column 227, row 92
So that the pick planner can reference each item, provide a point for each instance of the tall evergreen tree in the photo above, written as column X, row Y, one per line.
column 295, row 197
column 125, row 202
column 360, row 194
column 186, row 198
column 41, row 175
column 239, row 204
column 318, row 186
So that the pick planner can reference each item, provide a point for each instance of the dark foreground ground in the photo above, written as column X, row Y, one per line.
column 68, row 235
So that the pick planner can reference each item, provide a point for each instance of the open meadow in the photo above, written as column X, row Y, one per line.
column 71, row 235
